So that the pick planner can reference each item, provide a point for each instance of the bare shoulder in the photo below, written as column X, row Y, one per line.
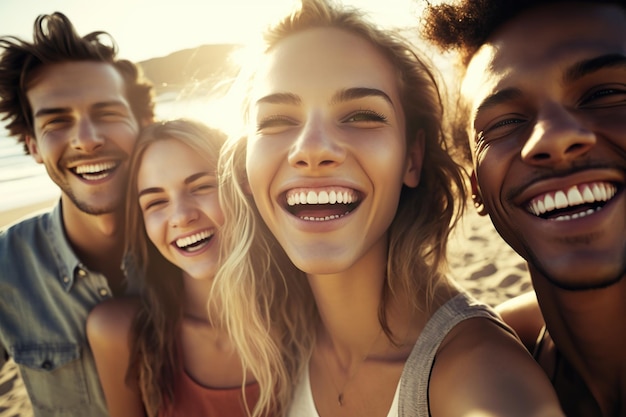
column 486, row 368
column 109, row 330
column 523, row 314
column 111, row 321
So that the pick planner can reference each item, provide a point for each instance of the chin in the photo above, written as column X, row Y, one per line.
column 583, row 279
column 310, row 268
column 578, row 270
column 95, row 207
column 97, row 210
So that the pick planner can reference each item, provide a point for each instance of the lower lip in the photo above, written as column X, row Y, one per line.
column 323, row 226
column 207, row 246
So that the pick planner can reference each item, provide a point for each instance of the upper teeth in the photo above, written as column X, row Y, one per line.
column 321, row 197
column 574, row 196
column 93, row 168
column 195, row 238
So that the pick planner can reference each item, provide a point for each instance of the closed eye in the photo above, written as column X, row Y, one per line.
column 200, row 188
column 507, row 122
column 110, row 113
column 275, row 124
column 153, row 204
column 366, row 116
column 502, row 128
column 57, row 121
column 605, row 97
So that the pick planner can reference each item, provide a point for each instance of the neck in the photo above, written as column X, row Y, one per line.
column 587, row 326
column 348, row 304
column 97, row 240
column 196, row 297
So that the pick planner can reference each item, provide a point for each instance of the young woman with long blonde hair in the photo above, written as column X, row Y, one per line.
column 165, row 354
column 344, row 170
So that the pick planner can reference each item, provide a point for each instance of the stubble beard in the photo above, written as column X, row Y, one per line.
column 112, row 206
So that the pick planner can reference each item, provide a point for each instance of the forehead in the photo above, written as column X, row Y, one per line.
column 536, row 48
column 72, row 83
column 179, row 159
column 323, row 59
column 165, row 152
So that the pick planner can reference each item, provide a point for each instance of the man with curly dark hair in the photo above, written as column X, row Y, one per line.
column 543, row 109
column 77, row 109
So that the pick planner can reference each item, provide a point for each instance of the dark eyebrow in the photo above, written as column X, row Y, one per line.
column 343, row 95
column 588, row 66
column 52, row 111
column 502, row 96
column 280, row 98
column 188, row 180
column 111, row 103
column 194, row 177
column 359, row 92
column 151, row 190
column 62, row 110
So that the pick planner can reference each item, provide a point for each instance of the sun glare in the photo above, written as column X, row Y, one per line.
column 242, row 21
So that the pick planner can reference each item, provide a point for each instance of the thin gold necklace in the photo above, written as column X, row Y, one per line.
column 340, row 392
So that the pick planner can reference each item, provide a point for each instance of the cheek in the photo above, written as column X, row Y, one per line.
column 155, row 228
column 612, row 125
column 49, row 146
column 218, row 216
column 384, row 156
column 124, row 135
column 260, row 163
column 494, row 159
column 213, row 210
column 490, row 193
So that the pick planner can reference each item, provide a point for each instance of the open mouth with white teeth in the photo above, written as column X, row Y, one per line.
column 572, row 203
column 322, row 205
column 94, row 172
column 194, row 242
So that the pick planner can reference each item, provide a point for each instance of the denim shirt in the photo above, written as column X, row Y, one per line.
column 45, row 297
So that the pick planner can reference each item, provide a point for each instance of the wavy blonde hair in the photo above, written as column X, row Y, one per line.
column 155, row 357
column 268, row 308
column 256, row 267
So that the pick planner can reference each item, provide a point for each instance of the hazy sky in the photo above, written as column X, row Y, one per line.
column 150, row 28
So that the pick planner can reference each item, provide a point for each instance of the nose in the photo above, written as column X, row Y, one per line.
column 86, row 137
column 183, row 213
column 558, row 137
column 316, row 147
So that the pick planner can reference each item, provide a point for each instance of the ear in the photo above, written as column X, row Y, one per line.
column 33, row 149
column 415, row 157
column 476, row 197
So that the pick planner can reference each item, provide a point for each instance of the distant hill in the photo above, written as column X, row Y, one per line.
column 205, row 65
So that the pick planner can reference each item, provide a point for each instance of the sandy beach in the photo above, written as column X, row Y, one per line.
column 479, row 260
column 483, row 263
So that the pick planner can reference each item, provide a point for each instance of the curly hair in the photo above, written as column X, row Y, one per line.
column 154, row 353
column 466, row 25
column 256, row 266
column 55, row 40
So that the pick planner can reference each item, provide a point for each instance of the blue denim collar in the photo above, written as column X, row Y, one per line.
column 67, row 262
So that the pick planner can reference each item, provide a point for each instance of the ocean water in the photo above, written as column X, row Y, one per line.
column 23, row 182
